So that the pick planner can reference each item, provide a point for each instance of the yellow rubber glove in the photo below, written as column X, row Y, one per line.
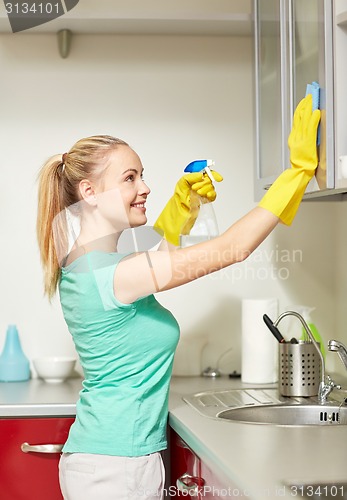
column 182, row 209
column 284, row 196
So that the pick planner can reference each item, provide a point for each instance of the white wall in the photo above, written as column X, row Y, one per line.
column 173, row 99
column 339, row 330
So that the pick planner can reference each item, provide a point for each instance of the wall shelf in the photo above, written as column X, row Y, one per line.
column 155, row 17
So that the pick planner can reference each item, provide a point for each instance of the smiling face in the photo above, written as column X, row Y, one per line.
column 122, row 193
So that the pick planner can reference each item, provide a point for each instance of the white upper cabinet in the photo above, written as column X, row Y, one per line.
column 298, row 42
column 138, row 17
column 269, row 91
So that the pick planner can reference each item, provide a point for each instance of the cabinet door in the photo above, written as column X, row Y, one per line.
column 215, row 488
column 31, row 475
column 311, row 28
column 191, row 477
column 294, row 46
column 185, row 474
column 270, row 93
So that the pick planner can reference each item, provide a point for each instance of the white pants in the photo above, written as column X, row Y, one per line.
column 94, row 477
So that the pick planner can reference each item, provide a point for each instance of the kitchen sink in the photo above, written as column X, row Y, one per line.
column 288, row 414
column 267, row 406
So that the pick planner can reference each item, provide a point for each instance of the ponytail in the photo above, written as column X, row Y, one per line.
column 59, row 179
column 50, row 205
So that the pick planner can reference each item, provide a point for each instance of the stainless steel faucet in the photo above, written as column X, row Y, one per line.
column 341, row 349
column 326, row 384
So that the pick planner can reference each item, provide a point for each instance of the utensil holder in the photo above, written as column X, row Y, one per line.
column 299, row 369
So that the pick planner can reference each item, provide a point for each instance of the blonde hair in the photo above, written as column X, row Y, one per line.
column 59, row 179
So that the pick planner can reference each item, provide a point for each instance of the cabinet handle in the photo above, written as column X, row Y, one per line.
column 41, row 448
column 190, row 485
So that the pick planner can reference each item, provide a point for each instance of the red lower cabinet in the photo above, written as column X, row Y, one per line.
column 191, row 477
column 216, row 489
column 185, row 469
column 29, row 457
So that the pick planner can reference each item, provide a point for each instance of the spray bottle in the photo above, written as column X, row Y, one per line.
column 14, row 365
column 205, row 227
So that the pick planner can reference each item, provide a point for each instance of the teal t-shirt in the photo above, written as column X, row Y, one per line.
column 126, row 352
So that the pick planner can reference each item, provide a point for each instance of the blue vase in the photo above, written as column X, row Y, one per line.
column 14, row 365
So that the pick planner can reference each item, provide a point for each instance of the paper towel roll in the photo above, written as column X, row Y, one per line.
column 259, row 355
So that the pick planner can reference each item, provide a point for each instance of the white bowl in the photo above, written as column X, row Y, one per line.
column 54, row 369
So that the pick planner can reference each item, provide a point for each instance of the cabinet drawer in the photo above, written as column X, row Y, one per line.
column 31, row 475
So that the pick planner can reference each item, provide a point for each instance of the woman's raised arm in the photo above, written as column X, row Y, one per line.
column 149, row 272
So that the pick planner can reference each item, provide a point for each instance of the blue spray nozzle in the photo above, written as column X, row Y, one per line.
column 199, row 165
column 314, row 89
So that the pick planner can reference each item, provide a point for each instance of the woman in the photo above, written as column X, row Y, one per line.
column 125, row 339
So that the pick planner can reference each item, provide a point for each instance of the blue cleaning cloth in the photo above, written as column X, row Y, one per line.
column 314, row 89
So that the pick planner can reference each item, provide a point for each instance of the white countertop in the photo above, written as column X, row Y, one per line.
column 254, row 460
column 258, row 460
column 36, row 397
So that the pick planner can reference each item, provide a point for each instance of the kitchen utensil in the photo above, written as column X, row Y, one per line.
column 299, row 369
column 275, row 331
column 54, row 369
